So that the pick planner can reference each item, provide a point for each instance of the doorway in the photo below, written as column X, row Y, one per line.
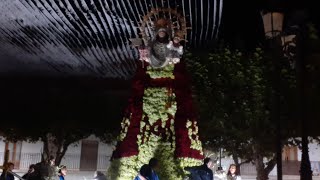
column 290, row 153
column 89, row 155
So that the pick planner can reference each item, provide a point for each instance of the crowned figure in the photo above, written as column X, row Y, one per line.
column 160, row 44
column 159, row 121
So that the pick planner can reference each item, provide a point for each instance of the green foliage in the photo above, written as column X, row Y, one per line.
column 313, row 33
column 234, row 94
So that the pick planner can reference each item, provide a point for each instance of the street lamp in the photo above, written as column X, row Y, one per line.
column 273, row 22
column 220, row 165
column 296, row 53
column 281, row 45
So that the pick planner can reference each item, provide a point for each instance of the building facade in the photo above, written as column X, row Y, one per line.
column 89, row 154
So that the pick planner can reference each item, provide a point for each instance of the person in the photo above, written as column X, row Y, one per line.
column 202, row 172
column 153, row 167
column 98, row 175
column 143, row 173
column 31, row 174
column 48, row 170
column 62, row 172
column 6, row 175
column 220, row 174
column 233, row 173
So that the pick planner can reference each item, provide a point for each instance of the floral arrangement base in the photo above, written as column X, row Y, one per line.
column 160, row 122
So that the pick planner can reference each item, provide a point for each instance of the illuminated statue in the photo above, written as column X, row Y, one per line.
column 161, row 39
column 159, row 121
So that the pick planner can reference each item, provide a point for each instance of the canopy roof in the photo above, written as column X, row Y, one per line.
column 88, row 37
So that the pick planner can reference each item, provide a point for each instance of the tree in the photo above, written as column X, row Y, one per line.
column 56, row 140
column 234, row 93
column 66, row 113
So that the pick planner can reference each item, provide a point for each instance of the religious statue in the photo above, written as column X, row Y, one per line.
column 161, row 39
column 159, row 121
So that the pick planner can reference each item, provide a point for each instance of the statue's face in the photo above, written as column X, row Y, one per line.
column 176, row 40
column 162, row 34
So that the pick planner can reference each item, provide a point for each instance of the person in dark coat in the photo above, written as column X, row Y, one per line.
column 6, row 175
column 98, row 175
column 153, row 167
column 46, row 170
column 31, row 174
column 202, row 172
column 143, row 173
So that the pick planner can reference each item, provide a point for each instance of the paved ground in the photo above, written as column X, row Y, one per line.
column 85, row 175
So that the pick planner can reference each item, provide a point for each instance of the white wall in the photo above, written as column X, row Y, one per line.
column 105, row 149
column 2, row 147
column 72, row 156
column 314, row 152
column 74, row 148
column 32, row 147
column 314, row 155
column 31, row 154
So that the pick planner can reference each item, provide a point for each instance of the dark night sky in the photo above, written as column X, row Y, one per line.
column 242, row 25
column 84, row 98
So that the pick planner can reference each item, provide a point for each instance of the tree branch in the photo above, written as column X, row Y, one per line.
column 270, row 165
column 245, row 162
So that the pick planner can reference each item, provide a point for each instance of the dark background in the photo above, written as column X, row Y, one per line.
column 27, row 98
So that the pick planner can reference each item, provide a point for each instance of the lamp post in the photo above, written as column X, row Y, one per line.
column 220, row 165
column 305, row 167
column 273, row 22
column 297, row 39
column 280, row 45
column 220, row 155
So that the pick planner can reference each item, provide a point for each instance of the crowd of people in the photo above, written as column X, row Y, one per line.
column 46, row 170
column 203, row 172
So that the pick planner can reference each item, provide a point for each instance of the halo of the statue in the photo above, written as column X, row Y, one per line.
column 159, row 28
